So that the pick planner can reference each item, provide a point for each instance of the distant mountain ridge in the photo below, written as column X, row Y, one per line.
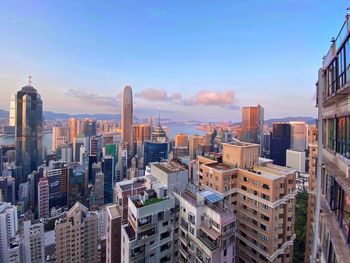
column 51, row 116
column 4, row 114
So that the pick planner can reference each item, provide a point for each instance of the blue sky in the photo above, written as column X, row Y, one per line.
column 186, row 59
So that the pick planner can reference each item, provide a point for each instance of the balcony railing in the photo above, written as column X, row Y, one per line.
column 211, row 245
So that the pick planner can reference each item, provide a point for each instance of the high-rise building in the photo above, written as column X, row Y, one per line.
column 181, row 140
column 29, row 117
column 113, row 242
column 57, row 176
column 60, row 137
column 298, row 136
column 15, row 250
column 43, row 198
column 127, row 115
column 333, row 89
column 108, row 171
column 150, row 234
column 263, row 196
column 77, row 185
column 279, row 143
column 194, row 143
column 156, row 150
column 253, row 124
column 99, row 189
column 73, row 129
column 96, row 146
column 89, row 127
column 78, row 142
column 141, row 132
column 34, row 245
column 127, row 188
column 8, row 229
column 312, row 143
column 76, row 236
column 207, row 227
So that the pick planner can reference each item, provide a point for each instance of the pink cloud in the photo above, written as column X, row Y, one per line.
column 152, row 94
column 223, row 99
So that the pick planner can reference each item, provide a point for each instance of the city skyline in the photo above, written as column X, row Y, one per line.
column 89, row 63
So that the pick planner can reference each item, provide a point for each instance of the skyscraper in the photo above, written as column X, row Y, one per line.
column 298, row 136
column 8, row 229
column 34, row 246
column 29, row 115
column 76, row 236
column 250, row 124
column 127, row 108
column 113, row 234
column 72, row 129
column 43, row 198
column 280, row 142
column 90, row 127
column 253, row 124
column 108, row 171
column 60, row 137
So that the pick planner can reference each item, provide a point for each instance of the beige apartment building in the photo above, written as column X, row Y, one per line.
column 263, row 196
column 334, row 85
column 312, row 144
column 76, row 236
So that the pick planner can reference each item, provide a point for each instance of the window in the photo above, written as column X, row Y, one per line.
column 331, row 134
column 343, row 136
column 332, row 78
column 347, row 60
column 346, row 217
column 266, row 186
column 266, row 197
column 341, row 67
column 191, row 218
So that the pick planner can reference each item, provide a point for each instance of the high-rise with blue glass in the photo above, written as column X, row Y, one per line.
column 29, row 117
column 108, row 170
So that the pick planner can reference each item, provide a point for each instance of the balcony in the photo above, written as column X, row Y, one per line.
column 206, row 240
column 184, row 224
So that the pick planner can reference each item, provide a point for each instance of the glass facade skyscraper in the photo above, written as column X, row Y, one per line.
column 108, row 170
column 29, row 117
column 280, row 142
column 155, row 152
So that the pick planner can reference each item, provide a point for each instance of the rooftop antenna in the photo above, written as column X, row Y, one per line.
column 29, row 80
column 159, row 119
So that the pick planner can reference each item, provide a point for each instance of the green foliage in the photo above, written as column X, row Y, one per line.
column 50, row 225
column 300, row 227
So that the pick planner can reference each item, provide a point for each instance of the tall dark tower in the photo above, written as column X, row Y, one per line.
column 29, row 118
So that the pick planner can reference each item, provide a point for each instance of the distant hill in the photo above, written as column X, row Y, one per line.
column 51, row 116
column 308, row 120
column 4, row 114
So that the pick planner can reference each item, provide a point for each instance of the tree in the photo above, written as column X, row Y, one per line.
column 300, row 226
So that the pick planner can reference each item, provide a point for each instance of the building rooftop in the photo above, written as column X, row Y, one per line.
column 241, row 144
column 133, row 183
column 271, row 171
column 113, row 211
column 168, row 167
column 219, row 166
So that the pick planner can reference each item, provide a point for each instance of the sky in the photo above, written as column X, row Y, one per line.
column 187, row 60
